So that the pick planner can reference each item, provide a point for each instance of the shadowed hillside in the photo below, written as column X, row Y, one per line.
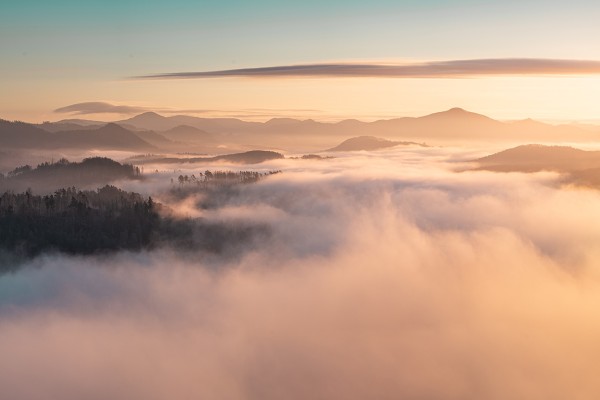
column 579, row 167
column 50, row 176
column 19, row 135
column 369, row 143
column 450, row 126
column 108, row 220
column 536, row 157
column 184, row 133
column 248, row 157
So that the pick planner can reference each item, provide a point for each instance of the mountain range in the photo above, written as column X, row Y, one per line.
column 451, row 125
column 369, row 143
column 248, row 157
column 111, row 136
column 536, row 157
column 577, row 167
column 150, row 131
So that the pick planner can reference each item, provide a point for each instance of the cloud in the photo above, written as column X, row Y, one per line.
column 100, row 107
column 433, row 69
column 387, row 276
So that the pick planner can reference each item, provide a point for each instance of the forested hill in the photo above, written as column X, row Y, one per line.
column 370, row 143
column 49, row 176
column 76, row 222
column 107, row 220
column 20, row 135
column 248, row 157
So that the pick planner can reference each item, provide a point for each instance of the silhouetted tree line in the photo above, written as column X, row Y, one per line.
column 104, row 220
column 223, row 177
column 50, row 175
column 76, row 222
column 93, row 165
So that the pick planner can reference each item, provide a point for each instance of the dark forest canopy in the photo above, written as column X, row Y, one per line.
column 537, row 157
column 312, row 157
column 74, row 221
column 215, row 186
column 105, row 220
column 49, row 176
column 219, row 178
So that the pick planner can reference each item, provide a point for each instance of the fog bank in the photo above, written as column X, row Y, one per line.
column 385, row 275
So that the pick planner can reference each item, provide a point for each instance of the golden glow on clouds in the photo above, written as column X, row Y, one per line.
column 546, row 98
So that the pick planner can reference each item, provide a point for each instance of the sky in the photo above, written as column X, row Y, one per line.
column 56, row 54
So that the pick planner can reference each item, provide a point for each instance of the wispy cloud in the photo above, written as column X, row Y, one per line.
column 100, row 107
column 434, row 69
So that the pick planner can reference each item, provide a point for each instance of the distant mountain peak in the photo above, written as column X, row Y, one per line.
column 538, row 157
column 149, row 114
column 368, row 143
column 458, row 113
column 112, row 126
column 150, row 121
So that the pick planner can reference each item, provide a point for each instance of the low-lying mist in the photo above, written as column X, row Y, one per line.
column 384, row 275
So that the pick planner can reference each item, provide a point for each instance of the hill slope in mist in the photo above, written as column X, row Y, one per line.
column 579, row 167
column 20, row 135
column 536, row 157
column 452, row 125
column 186, row 133
column 368, row 143
column 248, row 157
column 47, row 177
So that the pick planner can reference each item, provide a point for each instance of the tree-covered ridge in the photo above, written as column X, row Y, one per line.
column 89, row 166
column 49, row 176
column 248, row 157
column 19, row 135
column 109, row 219
column 222, row 177
column 76, row 222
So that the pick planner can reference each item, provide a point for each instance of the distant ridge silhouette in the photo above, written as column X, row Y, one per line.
column 20, row 135
column 578, row 167
column 536, row 157
column 248, row 157
column 211, row 134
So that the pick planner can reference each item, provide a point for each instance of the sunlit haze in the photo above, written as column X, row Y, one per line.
column 65, row 52
column 267, row 200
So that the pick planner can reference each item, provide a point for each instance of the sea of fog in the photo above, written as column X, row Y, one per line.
column 385, row 275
